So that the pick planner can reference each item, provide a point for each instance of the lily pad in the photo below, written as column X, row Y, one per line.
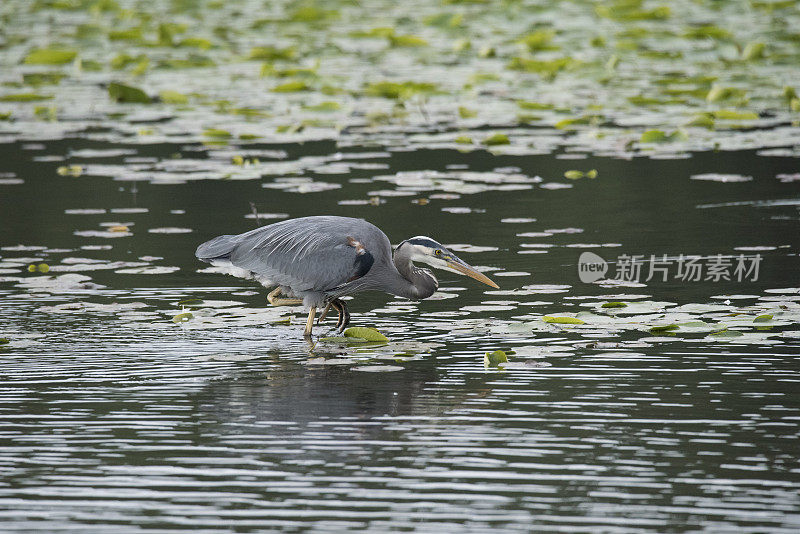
column 653, row 136
column 24, row 97
column 182, row 317
column 496, row 139
column 718, row 93
column 271, row 53
column 562, row 320
column 733, row 115
column 663, row 328
column 42, row 268
column 754, row 50
column 50, row 56
column 173, row 97
column 292, row 87
column 70, row 170
column 495, row 358
column 398, row 90
column 407, row 40
column 366, row 333
column 327, row 106
column 466, row 113
column 217, row 133
column 127, row 94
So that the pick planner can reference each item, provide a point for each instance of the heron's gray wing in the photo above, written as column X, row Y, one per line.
column 307, row 254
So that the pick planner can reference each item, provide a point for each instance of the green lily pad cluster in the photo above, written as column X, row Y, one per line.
column 643, row 319
column 703, row 72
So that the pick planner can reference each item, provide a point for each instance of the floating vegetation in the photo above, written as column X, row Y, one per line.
column 227, row 98
column 390, row 113
column 41, row 268
column 577, row 175
column 717, row 75
column 292, row 87
column 663, row 328
column 127, row 94
column 327, row 106
column 50, row 56
column 659, row 136
column 24, row 97
column 494, row 358
column 406, row 40
column 172, row 97
column 562, row 320
column 398, row 90
column 754, row 50
column 70, row 170
column 496, row 139
column 366, row 334
column 182, row 317
column 217, row 133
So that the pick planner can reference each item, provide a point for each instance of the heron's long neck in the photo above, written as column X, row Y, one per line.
column 412, row 283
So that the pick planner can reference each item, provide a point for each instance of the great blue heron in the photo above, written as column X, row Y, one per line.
column 316, row 260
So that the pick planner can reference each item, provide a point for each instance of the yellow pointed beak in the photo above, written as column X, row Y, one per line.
column 472, row 273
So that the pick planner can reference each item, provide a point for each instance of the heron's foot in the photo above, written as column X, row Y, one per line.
column 310, row 322
column 344, row 315
column 341, row 309
column 274, row 299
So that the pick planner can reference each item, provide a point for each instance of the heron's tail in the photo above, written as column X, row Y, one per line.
column 219, row 248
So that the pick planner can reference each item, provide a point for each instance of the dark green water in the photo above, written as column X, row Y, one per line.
column 115, row 419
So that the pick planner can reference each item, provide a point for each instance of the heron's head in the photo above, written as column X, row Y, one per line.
column 427, row 250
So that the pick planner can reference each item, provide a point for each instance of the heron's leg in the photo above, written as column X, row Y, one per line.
column 272, row 295
column 324, row 313
column 273, row 299
column 344, row 315
column 310, row 323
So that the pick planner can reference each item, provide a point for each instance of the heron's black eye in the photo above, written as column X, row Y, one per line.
column 438, row 252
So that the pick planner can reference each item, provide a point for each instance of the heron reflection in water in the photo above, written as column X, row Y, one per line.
column 314, row 261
